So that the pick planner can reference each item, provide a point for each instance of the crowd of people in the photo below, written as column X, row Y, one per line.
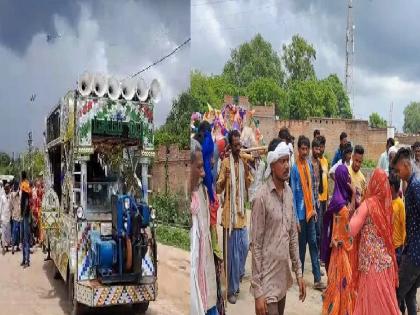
column 365, row 233
column 20, row 216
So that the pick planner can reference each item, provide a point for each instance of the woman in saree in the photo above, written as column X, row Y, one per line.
column 336, row 244
column 375, row 276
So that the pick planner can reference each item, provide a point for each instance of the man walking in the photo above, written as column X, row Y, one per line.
column 323, row 195
column 203, row 273
column 25, row 208
column 5, row 217
column 409, row 272
column 274, row 236
column 383, row 161
column 234, row 180
column 303, row 188
column 316, row 166
column 16, row 218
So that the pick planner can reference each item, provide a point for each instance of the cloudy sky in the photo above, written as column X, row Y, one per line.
column 387, row 45
column 115, row 37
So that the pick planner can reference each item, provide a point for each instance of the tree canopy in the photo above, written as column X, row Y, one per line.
column 298, row 57
column 257, row 71
column 176, row 129
column 412, row 118
column 376, row 121
column 253, row 60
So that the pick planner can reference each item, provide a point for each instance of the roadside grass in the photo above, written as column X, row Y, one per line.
column 173, row 236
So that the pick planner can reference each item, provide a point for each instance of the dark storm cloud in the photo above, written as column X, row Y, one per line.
column 113, row 37
column 386, row 64
column 20, row 20
column 386, row 34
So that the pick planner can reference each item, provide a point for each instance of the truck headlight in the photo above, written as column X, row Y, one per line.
column 80, row 213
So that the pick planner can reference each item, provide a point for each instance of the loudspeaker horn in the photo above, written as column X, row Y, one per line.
column 155, row 92
column 128, row 89
column 114, row 89
column 142, row 90
column 85, row 84
column 100, row 85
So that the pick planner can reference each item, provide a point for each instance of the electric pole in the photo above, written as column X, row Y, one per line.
column 30, row 153
column 350, row 54
column 391, row 108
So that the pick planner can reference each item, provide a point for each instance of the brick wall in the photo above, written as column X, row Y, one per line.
column 358, row 131
column 405, row 139
column 178, row 170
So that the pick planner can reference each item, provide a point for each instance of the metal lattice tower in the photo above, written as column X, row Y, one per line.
column 350, row 53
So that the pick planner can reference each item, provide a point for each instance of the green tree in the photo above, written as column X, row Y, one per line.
column 376, row 121
column 343, row 103
column 310, row 98
column 298, row 57
column 210, row 89
column 4, row 159
column 253, row 60
column 34, row 163
column 176, row 129
column 265, row 91
column 412, row 118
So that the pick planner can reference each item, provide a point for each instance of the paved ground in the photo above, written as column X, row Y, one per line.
column 34, row 291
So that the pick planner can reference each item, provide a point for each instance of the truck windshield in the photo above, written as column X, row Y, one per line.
column 101, row 184
column 99, row 196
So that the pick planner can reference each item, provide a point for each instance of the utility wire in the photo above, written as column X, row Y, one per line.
column 163, row 58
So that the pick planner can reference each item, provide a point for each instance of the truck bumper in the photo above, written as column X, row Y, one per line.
column 94, row 294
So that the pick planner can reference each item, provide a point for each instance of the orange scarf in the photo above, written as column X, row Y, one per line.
column 24, row 186
column 306, row 183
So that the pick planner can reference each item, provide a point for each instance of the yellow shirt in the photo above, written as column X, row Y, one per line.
column 359, row 182
column 398, row 222
column 223, row 186
column 324, row 166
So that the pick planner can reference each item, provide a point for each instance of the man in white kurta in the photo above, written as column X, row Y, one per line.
column 5, row 216
column 203, row 273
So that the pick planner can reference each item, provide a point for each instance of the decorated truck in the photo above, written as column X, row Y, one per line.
column 99, row 225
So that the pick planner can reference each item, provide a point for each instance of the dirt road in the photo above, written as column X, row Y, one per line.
column 245, row 303
column 34, row 291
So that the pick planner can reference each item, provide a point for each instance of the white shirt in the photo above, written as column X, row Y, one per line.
column 5, row 211
column 332, row 170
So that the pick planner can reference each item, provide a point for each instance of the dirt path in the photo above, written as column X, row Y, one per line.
column 34, row 291
column 245, row 303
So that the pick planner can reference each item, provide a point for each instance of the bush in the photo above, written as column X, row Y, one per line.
column 173, row 236
column 368, row 164
column 172, row 210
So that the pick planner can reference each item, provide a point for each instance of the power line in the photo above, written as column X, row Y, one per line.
column 163, row 58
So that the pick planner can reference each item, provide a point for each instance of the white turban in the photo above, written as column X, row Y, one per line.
column 281, row 151
column 392, row 149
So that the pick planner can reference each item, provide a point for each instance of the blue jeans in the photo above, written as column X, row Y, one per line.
column 26, row 238
column 16, row 227
column 237, row 252
column 212, row 311
column 307, row 235
column 409, row 275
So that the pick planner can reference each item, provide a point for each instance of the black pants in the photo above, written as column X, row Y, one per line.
column 277, row 308
column 409, row 275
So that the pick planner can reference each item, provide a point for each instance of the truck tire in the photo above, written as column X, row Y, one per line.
column 76, row 307
column 140, row 308
column 57, row 274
